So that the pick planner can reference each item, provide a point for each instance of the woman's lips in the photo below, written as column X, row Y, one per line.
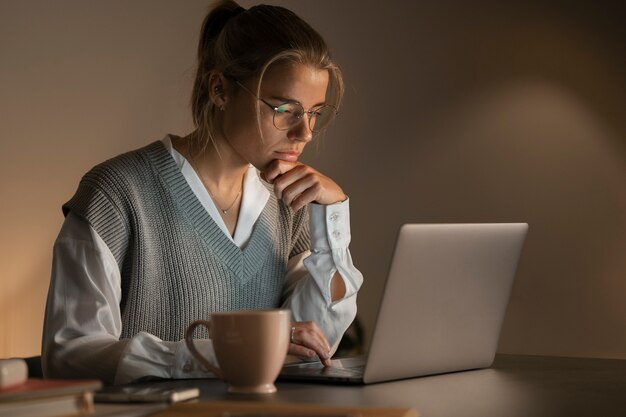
column 290, row 156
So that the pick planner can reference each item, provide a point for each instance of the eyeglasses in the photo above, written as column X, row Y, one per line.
column 289, row 114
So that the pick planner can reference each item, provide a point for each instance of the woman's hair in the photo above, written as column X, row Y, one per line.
column 244, row 44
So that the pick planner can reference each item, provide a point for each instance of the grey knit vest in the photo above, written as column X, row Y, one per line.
column 176, row 264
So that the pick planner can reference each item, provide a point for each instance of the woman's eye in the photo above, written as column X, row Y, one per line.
column 283, row 109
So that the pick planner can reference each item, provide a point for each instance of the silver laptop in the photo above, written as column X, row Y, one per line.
column 443, row 305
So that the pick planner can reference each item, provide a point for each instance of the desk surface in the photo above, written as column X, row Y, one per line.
column 525, row 386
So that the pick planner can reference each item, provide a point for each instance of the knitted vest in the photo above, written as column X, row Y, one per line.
column 176, row 264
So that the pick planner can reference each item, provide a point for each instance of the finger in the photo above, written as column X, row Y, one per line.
column 309, row 196
column 271, row 171
column 289, row 177
column 302, row 351
column 307, row 184
column 299, row 179
column 299, row 350
column 276, row 168
column 311, row 337
column 309, row 333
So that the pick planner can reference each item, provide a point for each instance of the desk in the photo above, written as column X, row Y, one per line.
column 524, row 386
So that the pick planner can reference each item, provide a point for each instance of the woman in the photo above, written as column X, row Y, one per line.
column 225, row 218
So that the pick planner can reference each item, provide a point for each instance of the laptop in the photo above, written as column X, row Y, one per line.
column 443, row 305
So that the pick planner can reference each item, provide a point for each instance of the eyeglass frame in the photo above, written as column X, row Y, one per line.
column 275, row 109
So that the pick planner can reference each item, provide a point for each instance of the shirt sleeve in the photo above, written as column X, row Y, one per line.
column 82, row 327
column 307, row 290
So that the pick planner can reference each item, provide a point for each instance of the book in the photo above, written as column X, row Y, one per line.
column 48, row 398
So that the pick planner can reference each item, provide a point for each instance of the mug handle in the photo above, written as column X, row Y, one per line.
column 194, row 351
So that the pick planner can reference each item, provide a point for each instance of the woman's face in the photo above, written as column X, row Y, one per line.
column 294, row 83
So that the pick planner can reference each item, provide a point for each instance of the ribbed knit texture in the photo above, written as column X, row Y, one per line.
column 176, row 264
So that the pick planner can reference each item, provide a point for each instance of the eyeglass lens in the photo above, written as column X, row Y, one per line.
column 289, row 115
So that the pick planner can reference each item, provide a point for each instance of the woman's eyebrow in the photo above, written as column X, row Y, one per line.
column 284, row 99
column 288, row 100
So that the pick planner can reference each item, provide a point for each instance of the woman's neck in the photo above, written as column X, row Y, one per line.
column 221, row 171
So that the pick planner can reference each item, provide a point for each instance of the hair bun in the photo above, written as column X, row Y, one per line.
column 236, row 12
column 221, row 17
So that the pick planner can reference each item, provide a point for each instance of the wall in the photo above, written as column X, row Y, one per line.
column 453, row 113
column 80, row 83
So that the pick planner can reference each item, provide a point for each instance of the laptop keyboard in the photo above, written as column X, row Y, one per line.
column 341, row 368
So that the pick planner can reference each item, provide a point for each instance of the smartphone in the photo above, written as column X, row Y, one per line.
column 132, row 394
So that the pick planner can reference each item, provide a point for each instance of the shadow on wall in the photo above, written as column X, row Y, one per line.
column 495, row 112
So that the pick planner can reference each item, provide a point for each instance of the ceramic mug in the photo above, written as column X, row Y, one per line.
column 250, row 347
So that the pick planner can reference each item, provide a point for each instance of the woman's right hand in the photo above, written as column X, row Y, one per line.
column 298, row 184
column 307, row 340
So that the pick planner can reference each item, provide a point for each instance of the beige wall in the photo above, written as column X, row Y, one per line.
column 453, row 113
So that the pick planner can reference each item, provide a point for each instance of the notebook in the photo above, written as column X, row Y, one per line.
column 442, row 308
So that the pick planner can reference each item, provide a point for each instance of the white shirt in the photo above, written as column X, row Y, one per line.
column 82, row 327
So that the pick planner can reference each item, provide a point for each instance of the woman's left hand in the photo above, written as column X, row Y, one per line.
column 307, row 340
column 297, row 184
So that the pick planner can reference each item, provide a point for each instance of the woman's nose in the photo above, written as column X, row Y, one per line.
column 301, row 131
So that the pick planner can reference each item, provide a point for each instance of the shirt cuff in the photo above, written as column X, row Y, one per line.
column 330, row 226
column 145, row 355
column 187, row 366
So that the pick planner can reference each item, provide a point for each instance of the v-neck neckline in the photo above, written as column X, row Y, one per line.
column 243, row 262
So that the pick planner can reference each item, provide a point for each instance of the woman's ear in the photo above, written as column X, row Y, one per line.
column 217, row 89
